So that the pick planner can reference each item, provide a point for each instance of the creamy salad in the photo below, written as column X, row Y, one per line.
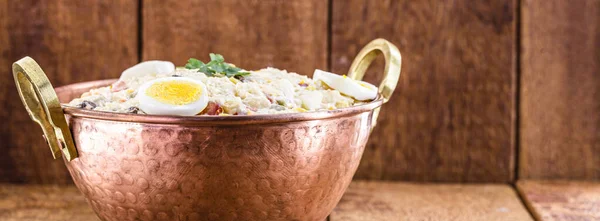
column 220, row 88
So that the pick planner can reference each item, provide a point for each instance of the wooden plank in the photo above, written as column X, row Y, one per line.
column 252, row 34
column 411, row 201
column 73, row 41
column 561, row 200
column 43, row 203
column 452, row 117
column 560, row 86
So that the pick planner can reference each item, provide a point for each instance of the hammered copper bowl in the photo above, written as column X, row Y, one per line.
column 263, row 167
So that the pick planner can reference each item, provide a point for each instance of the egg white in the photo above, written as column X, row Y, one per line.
column 311, row 100
column 148, row 68
column 153, row 106
column 359, row 90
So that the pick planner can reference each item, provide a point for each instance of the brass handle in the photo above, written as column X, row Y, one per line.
column 393, row 64
column 43, row 106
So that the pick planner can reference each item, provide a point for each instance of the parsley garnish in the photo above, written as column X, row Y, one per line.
column 217, row 65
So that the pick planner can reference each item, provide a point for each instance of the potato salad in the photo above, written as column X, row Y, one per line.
column 220, row 88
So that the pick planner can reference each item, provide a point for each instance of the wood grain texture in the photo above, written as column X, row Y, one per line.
column 452, row 117
column 253, row 34
column 561, row 200
column 449, row 202
column 43, row 203
column 560, row 87
column 73, row 41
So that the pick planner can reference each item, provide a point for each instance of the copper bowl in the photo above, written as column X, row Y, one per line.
column 263, row 167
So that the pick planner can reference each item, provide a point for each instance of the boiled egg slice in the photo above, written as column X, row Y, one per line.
column 173, row 96
column 359, row 90
column 148, row 68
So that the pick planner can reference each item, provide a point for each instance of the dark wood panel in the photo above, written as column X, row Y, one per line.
column 252, row 34
column 405, row 201
column 43, row 203
column 73, row 41
column 560, row 90
column 452, row 117
column 561, row 200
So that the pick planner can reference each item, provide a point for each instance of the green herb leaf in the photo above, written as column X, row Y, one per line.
column 216, row 65
column 194, row 64
column 216, row 57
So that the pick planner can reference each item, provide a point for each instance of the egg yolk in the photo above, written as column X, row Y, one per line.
column 174, row 92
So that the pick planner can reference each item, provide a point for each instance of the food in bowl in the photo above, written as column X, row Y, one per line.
column 220, row 88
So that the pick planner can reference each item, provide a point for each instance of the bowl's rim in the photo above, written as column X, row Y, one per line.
column 205, row 119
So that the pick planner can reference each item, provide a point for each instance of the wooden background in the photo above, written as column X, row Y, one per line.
column 560, row 90
column 490, row 91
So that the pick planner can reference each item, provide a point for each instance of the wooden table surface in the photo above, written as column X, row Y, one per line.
column 51, row 203
column 547, row 200
column 562, row 200
column 417, row 201
column 363, row 201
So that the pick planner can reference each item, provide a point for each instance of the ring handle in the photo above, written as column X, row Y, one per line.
column 393, row 64
column 41, row 102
